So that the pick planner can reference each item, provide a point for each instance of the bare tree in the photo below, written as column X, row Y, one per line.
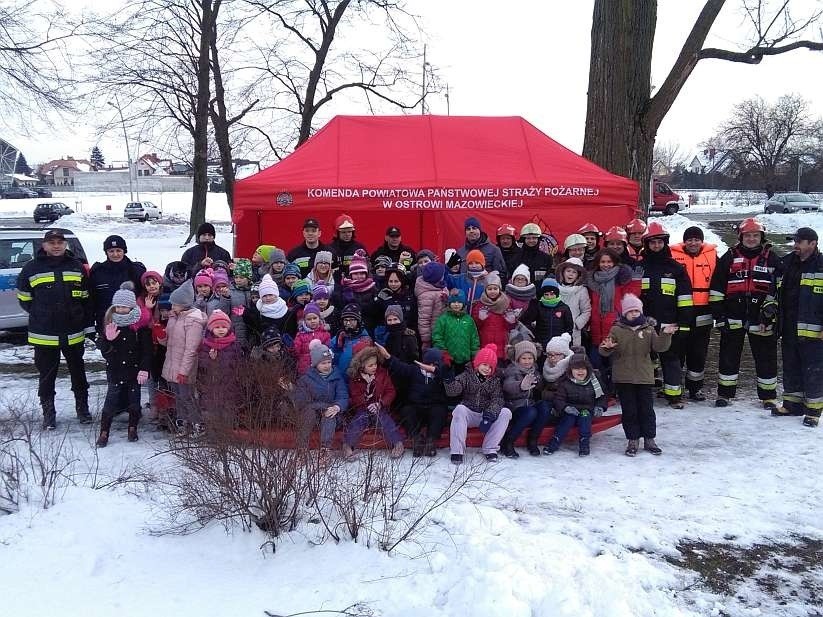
column 307, row 65
column 763, row 137
column 622, row 116
column 668, row 153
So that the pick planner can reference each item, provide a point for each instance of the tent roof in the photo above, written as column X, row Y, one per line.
column 431, row 151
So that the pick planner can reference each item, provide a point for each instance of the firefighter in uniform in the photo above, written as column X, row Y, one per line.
column 666, row 293
column 636, row 229
column 53, row 289
column 800, row 302
column 742, row 298
column 592, row 235
column 699, row 258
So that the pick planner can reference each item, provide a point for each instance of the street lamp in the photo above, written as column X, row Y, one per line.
column 126, row 137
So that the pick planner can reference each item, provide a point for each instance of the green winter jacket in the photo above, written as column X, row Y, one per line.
column 456, row 334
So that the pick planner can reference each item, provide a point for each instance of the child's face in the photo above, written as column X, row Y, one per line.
column 223, row 290
column 616, row 245
column 304, row 298
column 553, row 358
column 323, row 303
column 350, row 323
column 549, row 294
column 632, row 314
column 324, row 367
column 290, row 280
column 268, row 299
column 177, row 308
column 392, row 320
column 455, row 269
column 394, row 283
column 220, row 331
column 256, row 259
column 204, row 291
column 580, row 373
column 361, row 276
column 241, row 281
column 577, row 251
column 422, row 261
column 570, row 275
column 606, row 263
column 164, row 314
column 152, row 287
column 591, row 241
column 323, row 269
column 278, row 266
column 369, row 366
column 379, row 271
column 526, row 361
column 312, row 321
column 520, row 281
column 493, row 292
column 475, row 267
column 122, row 310
column 456, row 306
column 484, row 369
column 274, row 348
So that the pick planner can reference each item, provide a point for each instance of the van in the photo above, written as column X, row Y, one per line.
column 18, row 247
column 665, row 200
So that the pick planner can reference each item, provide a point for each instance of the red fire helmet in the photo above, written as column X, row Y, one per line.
column 636, row 226
column 505, row 230
column 590, row 228
column 750, row 224
column 617, row 233
column 656, row 230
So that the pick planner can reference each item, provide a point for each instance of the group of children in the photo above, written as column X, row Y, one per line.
column 363, row 347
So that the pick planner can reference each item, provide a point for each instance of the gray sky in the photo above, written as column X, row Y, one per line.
column 530, row 58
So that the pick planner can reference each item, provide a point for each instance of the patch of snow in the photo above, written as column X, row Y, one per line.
column 676, row 224
column 789, row 223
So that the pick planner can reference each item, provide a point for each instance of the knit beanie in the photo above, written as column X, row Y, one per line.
column 460, row 296
column 522, row 270
column 630, row 303
column 433, row 272
column 560, row 344
column 524, row 347
column 291, row 270
column 574, row 240
column 278, row 256
column 217, row 318
column 572, row 262
column 220, row 278
column 164, row 302
column 471, row 222
column 381, row 261
column 124, row 296
column 492, row 278
column 242, row 267
column 204, row 277
column 268, row 287
column 486, row 355
column 151, row 274
column 300, row 287
column 549, row 284
column 427, row 253
column 205, row 228
column 693, row 232
column 394, row 309
column 433, row 356
column 580, row 360
column 320, row 292
column 352, row 309
column 319, row 352
column 183, row 295
column 311, row 308
column 359, row 264
column 265, row 251
column 323, row 257
column 270, row 336
column 115, row 242
column 476, row 257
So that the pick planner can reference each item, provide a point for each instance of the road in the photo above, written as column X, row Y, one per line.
column 20, row 221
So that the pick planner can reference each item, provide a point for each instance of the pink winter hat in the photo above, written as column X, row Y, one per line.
column 630, row 303
column 220, row 278
column 204, row 277
column 218, row 318
column 487, row 355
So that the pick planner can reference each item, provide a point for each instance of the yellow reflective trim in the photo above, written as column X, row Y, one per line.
column 24, row 296
column 75, row 293
column 39, row 279
column 43, row 339
column 75, row 339
column 670, row 390
column 72, row 278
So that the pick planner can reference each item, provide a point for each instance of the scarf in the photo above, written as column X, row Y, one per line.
column 219, row 343
column 358, row 286
column 304, row 328
column 604, row 285
column 327, row 313
column 549, row 302
column 520, row 293
column 275, row 310
column 553, row 373
column 476, row 274
column 635, row 323
column 499, row 306
column 129, row 319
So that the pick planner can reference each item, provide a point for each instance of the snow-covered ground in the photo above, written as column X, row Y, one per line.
column 558, row 535
column 789, row 223
column 676, row 224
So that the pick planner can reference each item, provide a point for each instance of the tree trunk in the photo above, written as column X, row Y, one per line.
column 220, row 122
column 619, row 89
column 200, row 185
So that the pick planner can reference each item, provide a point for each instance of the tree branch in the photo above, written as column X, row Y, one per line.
column 756, row 54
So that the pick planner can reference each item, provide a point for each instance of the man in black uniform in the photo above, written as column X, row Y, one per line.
column 53, row 289
column 205, row 252
column 303, row 254
column 394, row 249
column 343, row 246
column 106, row 277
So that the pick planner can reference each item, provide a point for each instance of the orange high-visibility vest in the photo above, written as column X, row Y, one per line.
column 699, row 267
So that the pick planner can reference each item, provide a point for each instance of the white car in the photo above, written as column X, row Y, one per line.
column 142, row 211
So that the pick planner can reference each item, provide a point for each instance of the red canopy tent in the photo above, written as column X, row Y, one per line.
column 426, row 174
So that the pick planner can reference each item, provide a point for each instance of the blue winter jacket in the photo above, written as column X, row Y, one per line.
column 343, row 348
column 316, row 392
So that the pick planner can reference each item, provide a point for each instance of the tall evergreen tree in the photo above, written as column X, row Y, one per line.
column 97, row 158
column 22, row 166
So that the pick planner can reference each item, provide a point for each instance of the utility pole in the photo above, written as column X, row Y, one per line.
column 116, row 105
column 423, row 93
column 448, row 105
column 799, row 167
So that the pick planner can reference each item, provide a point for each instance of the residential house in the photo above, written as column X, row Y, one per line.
column 61, row 172
column 710, row 161
column 152, row 165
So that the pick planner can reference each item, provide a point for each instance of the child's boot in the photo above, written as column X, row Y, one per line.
column 631, row 447
column 418, row 446
column 531, row 446
column 507, row 448
column 134, row 418
column 552, row 446
column 583, row 446
column 105, row 427
column 430, row 448
column 650, row 446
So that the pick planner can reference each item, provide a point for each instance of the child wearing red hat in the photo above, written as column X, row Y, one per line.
column 481, row 405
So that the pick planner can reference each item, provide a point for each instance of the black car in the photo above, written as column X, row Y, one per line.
column 50, row 212
column 17, row 192
column 42, row 191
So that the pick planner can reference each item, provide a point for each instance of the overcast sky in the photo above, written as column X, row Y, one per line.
column 530, row 58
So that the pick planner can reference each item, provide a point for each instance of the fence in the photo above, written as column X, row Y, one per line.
column 118, row 182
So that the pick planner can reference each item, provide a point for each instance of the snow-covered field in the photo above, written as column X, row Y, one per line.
column 553, row 536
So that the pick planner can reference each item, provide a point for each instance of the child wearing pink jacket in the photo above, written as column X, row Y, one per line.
column 311, row 327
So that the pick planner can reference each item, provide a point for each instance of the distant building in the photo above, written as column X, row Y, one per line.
column 17, row 180
column 660, row 169
column 152, row 165
column 61, row 172
column 710, row 161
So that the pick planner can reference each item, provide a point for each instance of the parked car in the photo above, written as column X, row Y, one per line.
column 17, row 247
column 791, row 202
column 17, row 192
column 51, row 212
column 42, row 191
column 142, row 211
column 665, row 200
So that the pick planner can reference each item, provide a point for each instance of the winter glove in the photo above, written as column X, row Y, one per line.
column 158, row 330
column 572, row 411
column 182, row 379
column 483, row 314
column 142, row 377
column 528, row 381
column 453, row 261
column 385, row 294
column 597, row 411
column 238, row 310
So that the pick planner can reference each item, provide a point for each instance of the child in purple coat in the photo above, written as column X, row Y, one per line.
column 218, row 367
